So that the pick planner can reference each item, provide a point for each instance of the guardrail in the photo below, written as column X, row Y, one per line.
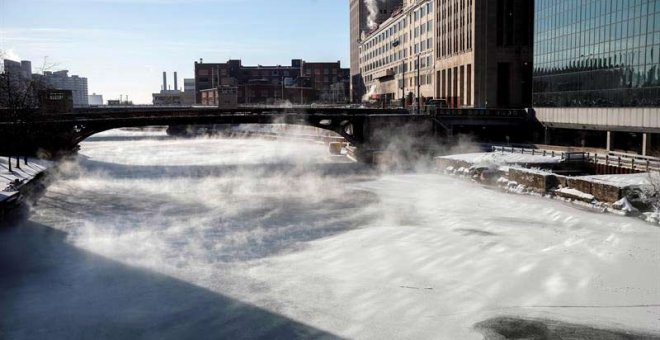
column 617, row 159
column 527, row 151
column 630, row 162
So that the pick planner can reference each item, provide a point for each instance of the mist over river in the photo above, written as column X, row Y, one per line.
column 148, row 236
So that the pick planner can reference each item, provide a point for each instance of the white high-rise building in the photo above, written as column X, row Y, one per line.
column 397, row 58
column 362, row 16
column 95, row 99
column 61, row 80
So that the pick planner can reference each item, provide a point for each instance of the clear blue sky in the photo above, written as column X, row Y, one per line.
column 123, row 46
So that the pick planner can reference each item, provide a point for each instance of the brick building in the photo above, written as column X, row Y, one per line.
column 299, row 83
column 222, row 96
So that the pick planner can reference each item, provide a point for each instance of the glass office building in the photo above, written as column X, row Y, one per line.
column 597, row 53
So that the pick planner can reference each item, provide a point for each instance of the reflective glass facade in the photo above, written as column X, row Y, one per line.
column 597, row 53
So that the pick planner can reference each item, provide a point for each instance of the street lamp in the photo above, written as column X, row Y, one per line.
column 419, row 86
column 403, row 83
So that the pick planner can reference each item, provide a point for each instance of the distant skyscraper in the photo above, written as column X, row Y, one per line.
column 60, row 80
column 19, row 76
column 21, row 69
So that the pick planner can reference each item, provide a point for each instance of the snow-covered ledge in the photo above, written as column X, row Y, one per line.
column 10, row 181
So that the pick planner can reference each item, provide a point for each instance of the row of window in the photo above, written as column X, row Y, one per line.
column 424, row 63
column 372, row 48
column 597, row 52
column 599, row 79
column 644, row 97
column 590, row 43
column 456, row 83
column 551, row 14
column 382, row 55
column 418, row 14
column 628, row 30
column 418, row 48
column 455, row 27
column 637, row 57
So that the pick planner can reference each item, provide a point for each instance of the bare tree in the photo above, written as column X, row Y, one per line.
column 652, row 191
column 19, row 101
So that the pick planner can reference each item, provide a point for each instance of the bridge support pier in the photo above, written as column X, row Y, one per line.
column 646, row 139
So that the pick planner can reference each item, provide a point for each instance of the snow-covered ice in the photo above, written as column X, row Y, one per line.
column 622, row 180
column 173, row 237
column 503, row 158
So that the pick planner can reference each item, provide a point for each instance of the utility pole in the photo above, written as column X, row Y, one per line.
column 419, row 88
column 403, row 84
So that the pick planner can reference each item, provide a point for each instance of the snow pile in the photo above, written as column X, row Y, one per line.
column 461, row 171
column 577, row 194
column 652, row 217
column 624, row 205
column 623, row 180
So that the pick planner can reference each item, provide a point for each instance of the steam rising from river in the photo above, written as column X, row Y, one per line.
column 206, row 202
column 309, row 238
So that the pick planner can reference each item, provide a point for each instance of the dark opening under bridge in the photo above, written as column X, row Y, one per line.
column 365, row 128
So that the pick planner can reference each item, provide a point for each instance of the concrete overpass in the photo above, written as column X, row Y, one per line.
column 642, row 121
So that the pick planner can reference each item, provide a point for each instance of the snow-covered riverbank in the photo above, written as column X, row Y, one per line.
column 11, row 181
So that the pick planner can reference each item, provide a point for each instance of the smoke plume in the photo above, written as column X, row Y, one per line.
column 373, row 89
column 372, row 8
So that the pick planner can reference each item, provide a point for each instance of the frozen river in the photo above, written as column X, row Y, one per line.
column 152, row 237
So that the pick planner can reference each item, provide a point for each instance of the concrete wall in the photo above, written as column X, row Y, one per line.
column 539, row 182
column 616, row 119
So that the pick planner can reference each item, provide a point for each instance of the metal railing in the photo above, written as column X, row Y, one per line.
column 633, row 162
column 618, row 159
column 527, row 151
